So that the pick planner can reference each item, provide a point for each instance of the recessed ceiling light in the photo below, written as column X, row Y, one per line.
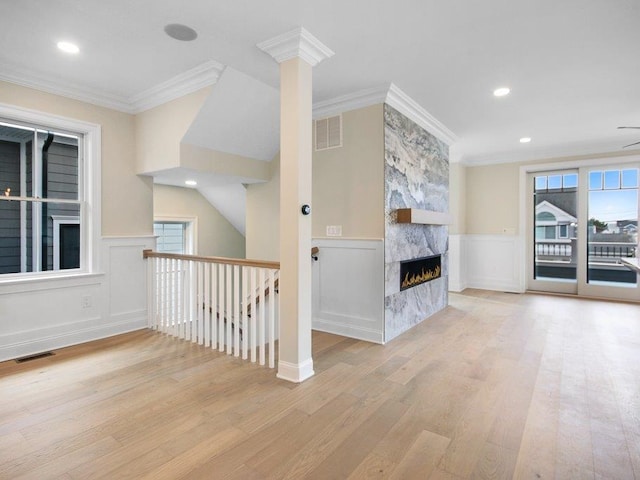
column 191, row 183
column 68, row 47
column 501, row 92
column 180, row 32
column 525, row 139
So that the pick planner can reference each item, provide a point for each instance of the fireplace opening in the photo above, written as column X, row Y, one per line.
column 419, row 270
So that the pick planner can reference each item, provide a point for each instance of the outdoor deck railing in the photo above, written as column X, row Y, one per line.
column 224, row 303
column 554, row 250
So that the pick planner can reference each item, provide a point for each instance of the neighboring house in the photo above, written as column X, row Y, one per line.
column 553, row 223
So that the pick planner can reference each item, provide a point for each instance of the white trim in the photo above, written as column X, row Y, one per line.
column 296, row 43
column 392, row 96
column 201, row 76
column 188, row 82
column 457, row 262
column 583, row 289
column 295, row 373
column 399, row 100
column 57, row 221
column 30, row 79
column 601, row 149
column 494, row 262
column 351, row 101
column 354, row 310
column 60, row 336
column 339, row 328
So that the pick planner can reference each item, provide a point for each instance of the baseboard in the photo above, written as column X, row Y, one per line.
column 62, row 336
column 295, row 373
column 346, row 330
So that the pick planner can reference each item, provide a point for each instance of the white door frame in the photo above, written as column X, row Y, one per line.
column 584, row 288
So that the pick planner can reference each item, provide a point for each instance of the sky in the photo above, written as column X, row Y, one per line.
column 612, row 205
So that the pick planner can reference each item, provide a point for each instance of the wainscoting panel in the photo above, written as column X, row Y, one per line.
column 457, row 263
column 128, row 280
column 348, row 288
column 493, row 262
column 47, row 314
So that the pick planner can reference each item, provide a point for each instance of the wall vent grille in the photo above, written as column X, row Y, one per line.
column 328, row 132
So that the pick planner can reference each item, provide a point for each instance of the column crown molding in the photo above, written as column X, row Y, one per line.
column 296, row 43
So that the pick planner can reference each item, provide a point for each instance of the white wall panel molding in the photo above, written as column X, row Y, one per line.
column 457, row 263
column 493, row 262
column 126, row 288
column 46, row 314
column 348, row 288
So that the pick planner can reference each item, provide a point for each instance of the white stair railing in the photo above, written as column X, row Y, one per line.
column 224, row 303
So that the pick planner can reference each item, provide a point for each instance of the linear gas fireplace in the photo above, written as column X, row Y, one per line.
column 419, row 270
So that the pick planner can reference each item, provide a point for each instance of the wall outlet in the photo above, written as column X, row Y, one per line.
column 85, row 301
column 334, row 230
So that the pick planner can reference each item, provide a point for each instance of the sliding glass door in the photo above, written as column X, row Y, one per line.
column 582, row 222
column 554, row 248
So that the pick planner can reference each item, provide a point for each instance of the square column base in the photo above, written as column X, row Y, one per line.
column 295, row 373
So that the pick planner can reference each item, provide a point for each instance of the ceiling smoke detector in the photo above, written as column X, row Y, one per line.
column 180, row 32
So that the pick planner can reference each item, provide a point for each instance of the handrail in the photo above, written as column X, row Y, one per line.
column 148, row 253
column 222, row 260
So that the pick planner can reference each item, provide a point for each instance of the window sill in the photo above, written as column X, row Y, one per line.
column 26, row 283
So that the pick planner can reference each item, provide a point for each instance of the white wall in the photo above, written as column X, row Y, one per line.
column 215, row 235
column 348, row 288
column 42, row 315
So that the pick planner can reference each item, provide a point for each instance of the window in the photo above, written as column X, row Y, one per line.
column 546, row 217
column 556, row 183
column 49, row 172
column 563, row 231
column 547, row 232
column 175, row 235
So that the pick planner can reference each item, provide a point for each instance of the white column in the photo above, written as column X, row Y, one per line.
column 296, row 52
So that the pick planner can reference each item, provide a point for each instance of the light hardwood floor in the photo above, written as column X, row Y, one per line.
column 496, row 386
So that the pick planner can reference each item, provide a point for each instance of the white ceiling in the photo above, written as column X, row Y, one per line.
column 573, row 65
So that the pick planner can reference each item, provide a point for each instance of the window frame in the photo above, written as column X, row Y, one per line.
column 89, row 187
column 190, row 231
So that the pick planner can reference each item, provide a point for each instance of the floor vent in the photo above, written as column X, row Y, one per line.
column 34, row 357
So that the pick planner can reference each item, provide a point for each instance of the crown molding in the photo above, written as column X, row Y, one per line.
column 392, row 96
column 551, row 153
column 31, row 79
column 296, row 43
column 190, row 81
column 351, row 101
column 399, row 100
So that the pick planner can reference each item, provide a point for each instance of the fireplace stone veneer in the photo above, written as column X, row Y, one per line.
column 416, row 177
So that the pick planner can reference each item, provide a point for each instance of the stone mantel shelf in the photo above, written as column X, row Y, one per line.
column 424, row 217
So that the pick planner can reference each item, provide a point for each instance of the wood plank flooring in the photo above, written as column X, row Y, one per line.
column 496, row 386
